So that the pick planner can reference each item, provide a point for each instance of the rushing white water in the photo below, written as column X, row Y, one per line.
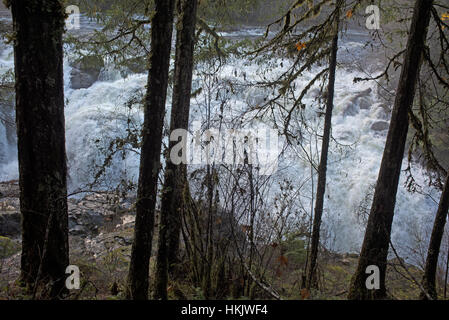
column 96, row 115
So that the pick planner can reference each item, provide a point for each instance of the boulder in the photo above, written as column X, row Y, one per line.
column 364, row 93
column 350, row 110
column 364, row 103
column 8, row 247
column 385, row 108
column 85, row 72
column 381, row 113
column 136, row 65
column 10, row 224
column 358, row 101
column 380, row 126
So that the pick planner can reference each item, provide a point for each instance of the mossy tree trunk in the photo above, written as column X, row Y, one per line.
column 378, row 231
column 38, row 58
column 154, row 111
column 435, row 243
column 311, row 280
column 173, row 192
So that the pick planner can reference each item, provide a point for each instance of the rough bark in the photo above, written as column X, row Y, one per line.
column 38, row 58
column 377, row 236
column 173, row 194
column 159, row 59
column 322, row 169
column 430, row 268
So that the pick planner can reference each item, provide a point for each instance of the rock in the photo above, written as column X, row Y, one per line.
column 364, row 93
column 346, row 262
column 364, row 104
column 78, row 230
column 10, row 224
column 357, row 102
column 380, row 113
column 380, row 125
column 136, row 65
column 350, row 110
column 8, row 247
column 385, row 108
column 85, row 72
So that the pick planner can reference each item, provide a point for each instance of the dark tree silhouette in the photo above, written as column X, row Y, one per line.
column 175, row 182
column 322, row 169
column 430, row 268
column 161, row 35
column 378, row 231
column 38, row 57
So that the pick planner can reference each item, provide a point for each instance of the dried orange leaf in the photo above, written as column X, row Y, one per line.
column 349, row 14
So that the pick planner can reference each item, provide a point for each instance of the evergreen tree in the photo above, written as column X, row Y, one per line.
column 154, row 111
column 175, row 180
column 38, row 57
column 378, row 231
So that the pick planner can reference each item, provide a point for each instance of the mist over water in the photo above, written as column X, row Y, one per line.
column 98, row 114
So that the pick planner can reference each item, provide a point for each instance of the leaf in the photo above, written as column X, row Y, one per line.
column 300, row 45
column 305, row 294
column 349, row 14
column 283, row 261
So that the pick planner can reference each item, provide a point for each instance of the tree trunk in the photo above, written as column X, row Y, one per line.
column 377, row 235
column 161, row 35
column 173, row 192
column 38, row 58
column 322, row 169
column 435, row 243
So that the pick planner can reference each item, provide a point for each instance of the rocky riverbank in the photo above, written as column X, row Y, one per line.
column 100, row 224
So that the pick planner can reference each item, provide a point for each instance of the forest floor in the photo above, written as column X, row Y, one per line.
column 101, row 234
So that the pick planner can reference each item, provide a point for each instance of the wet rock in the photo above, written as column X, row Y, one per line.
column 350, row 110
column 8, row 247
column 385, row 108
column 358, row 102
column 136, row 65
column 364, row 104
column 380, row 126
column 78, row 230
column 364, row 93
column 85, row 72
column 10, row 224
column 379, row 113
